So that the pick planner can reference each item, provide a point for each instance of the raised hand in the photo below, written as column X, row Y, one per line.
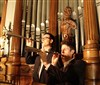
column 29, row 42
column 55, row 58
column 43, row 56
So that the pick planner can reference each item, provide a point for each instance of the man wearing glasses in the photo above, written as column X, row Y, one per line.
column 40, row 75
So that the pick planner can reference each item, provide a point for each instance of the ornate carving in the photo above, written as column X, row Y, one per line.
column 1, row 69
column 67, row 24
column 25, row 69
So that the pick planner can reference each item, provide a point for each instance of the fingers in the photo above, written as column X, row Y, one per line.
column 56, row 54
column 55, row 58
column 28, row 42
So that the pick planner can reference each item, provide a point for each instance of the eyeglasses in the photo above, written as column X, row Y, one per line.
column 45, row 38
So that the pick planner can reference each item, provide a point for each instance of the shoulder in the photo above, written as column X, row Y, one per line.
column 79, row 62
column 79, row 65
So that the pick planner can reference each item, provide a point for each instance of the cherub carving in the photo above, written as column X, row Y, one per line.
column 67, row 24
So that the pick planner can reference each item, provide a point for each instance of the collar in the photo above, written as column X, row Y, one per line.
column 66, row 63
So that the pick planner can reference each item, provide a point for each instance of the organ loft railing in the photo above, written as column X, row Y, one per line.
column 32, row 18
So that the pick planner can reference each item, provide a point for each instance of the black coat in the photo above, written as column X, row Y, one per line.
column 73, row 73
column 44, row 75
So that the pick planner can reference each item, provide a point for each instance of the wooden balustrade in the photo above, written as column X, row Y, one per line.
column 15, row 73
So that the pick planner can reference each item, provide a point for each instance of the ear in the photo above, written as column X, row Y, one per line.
column 51, row 41
column 72, row 51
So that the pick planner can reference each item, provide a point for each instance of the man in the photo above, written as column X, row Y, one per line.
column 73, row 71
column 40, row 75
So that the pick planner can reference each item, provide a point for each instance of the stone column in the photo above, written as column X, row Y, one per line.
column 91, row 48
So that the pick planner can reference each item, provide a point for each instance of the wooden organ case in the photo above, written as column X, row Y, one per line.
column 13, row 68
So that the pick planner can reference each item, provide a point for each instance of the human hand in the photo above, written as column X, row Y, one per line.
column 55, row 58
column 43, row 56
column 29, row 42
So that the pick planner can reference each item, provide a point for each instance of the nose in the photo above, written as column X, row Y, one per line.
column 62, row 51
column 43, row 39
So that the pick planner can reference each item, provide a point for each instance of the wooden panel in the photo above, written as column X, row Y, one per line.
column 15, row 74
column 25, row 73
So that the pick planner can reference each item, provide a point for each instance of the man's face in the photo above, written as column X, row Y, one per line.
column 46, row 41
column 67, row 52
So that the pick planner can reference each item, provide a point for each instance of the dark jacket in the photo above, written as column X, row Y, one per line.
column 72, row 74
column 44, row 76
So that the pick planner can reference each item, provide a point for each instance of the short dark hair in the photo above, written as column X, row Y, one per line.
column 51, row 36
column 68, row 43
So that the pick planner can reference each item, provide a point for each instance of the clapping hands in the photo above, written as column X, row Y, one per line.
column 55, row 58
column 43, row 56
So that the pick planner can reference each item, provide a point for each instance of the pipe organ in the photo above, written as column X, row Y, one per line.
column 30, row 19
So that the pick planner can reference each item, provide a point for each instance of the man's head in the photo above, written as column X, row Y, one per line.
column 47, row 39
column 67, row 50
